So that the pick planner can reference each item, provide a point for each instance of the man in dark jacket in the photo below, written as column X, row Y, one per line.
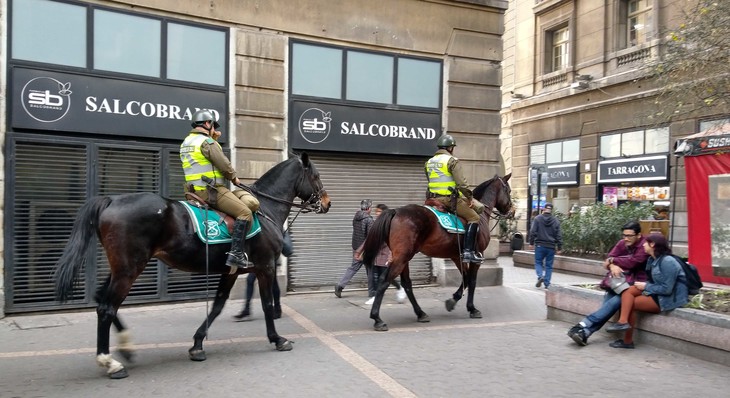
column 545, row 235
column 360, row 226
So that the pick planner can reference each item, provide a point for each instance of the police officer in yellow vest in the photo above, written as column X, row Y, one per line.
column 444, row 171
column 202, row 156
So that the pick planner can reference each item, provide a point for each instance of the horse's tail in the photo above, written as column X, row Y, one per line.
column 377, row 235
column 74, row 254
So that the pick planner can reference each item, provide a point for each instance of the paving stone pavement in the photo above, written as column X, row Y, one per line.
column 512, row 351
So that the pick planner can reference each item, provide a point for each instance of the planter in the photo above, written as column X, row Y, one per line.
column 700, row 334
column 505, row 249
column 576, row 265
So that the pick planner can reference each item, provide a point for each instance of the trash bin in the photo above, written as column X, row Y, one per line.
column 517, row 241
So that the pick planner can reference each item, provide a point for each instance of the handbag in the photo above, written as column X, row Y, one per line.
column 617, row 284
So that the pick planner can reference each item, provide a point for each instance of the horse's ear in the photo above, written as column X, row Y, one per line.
column 507, row 177
column 305, row 159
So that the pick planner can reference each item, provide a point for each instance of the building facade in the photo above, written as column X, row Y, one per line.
column 577, row 105
column 98, row 95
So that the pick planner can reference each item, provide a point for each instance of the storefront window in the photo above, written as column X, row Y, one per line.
column 634, row 143
column 207, row 69
column 126, row 43
column 419, row 83
column 33, row 44
column 555, row 152
column 369, row 77
column 316, row 71
column 56, row 32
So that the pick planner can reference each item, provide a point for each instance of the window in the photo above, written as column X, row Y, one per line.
column 63, row 33
column 126, row 43
column 50, row 32
column 555, row 152
column 635, row 22
column 317, row 71
column 208, row 69
column 560, row 49
column 364, row 69
column 351, row 75
column 634, row 143
column 713, row 124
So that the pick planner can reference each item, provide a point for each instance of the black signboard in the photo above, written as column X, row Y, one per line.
column 650, row 168
column 57, row 101
column 705, row 145
column 562, row 174
column 325, row 127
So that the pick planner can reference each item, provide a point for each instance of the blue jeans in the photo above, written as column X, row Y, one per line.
column 548, row 255
column 596, row 320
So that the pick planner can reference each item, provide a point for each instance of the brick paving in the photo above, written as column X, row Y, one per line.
column 512, row 351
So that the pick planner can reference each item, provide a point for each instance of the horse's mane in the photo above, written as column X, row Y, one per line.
column 480, row 190
column 274, row 172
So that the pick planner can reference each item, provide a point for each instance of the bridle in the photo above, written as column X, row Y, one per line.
column 312, row 204
column 496, row 214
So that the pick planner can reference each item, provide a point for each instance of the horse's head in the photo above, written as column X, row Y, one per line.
column 496, row 195
column 310, row 188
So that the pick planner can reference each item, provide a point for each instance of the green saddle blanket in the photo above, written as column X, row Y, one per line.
column 450, row 222
column 216, row 230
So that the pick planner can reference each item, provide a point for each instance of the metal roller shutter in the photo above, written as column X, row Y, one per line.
column 50, row 178
column 322, row 242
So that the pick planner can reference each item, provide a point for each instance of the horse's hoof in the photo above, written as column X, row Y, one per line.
column 119, row 374
column 450, row 304
column 197, row 355
column 476, row 314
column 128, row 355
column 424, row 318
column 285, row 346
column 380, row 327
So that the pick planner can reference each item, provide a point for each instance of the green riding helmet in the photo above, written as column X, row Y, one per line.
column 446, row 141
column 203, row 115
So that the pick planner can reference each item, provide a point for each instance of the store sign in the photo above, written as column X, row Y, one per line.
column 650, row 168
column 562, row 174
column 56, row 101
column 703, row 145
column 316, row 126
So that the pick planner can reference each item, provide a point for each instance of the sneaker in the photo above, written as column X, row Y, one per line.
column 574, row 329
column 620, row 344
column 580, row 337
column 244, row 315
column 400, row 295
column 370, row 301
column 539, row 281
column 338, row 291
column 618, row 327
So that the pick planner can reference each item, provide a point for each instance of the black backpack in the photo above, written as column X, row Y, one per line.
column 694, row 283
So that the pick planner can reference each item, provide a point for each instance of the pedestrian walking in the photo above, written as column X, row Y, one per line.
column 361, row 223
column 545, row 235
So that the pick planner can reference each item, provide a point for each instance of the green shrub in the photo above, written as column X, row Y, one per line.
column 597, row 228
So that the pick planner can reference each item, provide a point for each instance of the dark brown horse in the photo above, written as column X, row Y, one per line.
column 413, row 228
column 133, row 228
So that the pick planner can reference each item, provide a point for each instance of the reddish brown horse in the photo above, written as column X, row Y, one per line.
column 414, row 228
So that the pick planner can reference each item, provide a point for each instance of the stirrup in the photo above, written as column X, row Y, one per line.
column 470, row 256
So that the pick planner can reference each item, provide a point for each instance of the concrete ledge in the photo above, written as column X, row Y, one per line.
column 700, row 334
column 490, row 273
column 575, row 265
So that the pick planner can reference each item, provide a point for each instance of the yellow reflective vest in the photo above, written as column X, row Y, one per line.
column 195, row 165
column 439, row 176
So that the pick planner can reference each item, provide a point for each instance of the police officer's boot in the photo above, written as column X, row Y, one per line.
column 237, row 257
column 470, row 254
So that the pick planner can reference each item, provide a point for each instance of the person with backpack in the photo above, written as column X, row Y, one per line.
column 627, row 258
column 665, row 290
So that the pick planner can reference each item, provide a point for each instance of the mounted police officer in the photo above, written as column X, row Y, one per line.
column 207, row 172
column 444, row 176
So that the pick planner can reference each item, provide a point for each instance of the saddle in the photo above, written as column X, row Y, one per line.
column 195, row 200
column 448, row 220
